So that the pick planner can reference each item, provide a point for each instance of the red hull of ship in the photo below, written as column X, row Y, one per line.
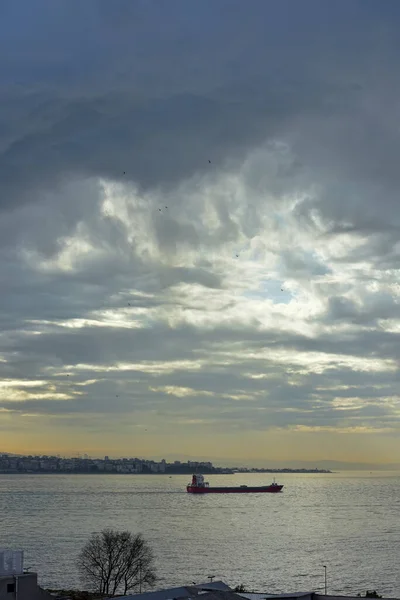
column 272, row 489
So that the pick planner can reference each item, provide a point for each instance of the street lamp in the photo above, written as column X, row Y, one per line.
column 325, row 578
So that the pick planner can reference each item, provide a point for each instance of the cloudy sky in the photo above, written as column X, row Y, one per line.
column 199, row 228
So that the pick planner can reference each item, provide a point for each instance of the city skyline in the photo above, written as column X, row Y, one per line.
column 130, row 464
column 293, row 464
column 199, row 229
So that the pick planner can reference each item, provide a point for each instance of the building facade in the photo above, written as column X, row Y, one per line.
column 15, row 583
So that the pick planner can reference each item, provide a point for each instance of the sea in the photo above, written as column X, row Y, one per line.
column 273, row 543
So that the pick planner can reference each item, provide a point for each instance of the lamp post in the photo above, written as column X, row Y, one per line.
column 325, row 578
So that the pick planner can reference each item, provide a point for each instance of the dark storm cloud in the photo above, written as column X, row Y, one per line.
column 69, row 346
column 380, row 307
column 156, row 91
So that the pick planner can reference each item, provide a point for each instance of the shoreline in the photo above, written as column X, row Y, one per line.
column 284, row 472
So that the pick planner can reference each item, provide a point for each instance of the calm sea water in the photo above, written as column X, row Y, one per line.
column 270, row 542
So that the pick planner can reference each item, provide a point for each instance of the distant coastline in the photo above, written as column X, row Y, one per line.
column 51, row 465
column 80, row 472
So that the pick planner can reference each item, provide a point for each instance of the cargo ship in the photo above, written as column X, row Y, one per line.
column 199, row 486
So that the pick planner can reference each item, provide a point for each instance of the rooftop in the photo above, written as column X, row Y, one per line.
column 260, row 596
column 189, row 591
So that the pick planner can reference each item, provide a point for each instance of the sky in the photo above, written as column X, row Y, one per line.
column 199, row 229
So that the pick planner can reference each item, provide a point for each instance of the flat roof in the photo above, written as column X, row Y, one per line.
column 188, row 591
column 262, row 596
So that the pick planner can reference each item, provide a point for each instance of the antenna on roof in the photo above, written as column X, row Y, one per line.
column 211, row 577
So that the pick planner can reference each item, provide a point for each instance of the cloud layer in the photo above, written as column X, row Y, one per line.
column 199, row 226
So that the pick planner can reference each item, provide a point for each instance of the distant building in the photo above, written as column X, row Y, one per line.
column 15, row 583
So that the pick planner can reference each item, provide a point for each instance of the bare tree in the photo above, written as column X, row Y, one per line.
column 113, row 562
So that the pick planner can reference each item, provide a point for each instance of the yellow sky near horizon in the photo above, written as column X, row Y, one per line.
column 246, row 448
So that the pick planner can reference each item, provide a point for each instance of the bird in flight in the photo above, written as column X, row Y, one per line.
column 209, row 162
